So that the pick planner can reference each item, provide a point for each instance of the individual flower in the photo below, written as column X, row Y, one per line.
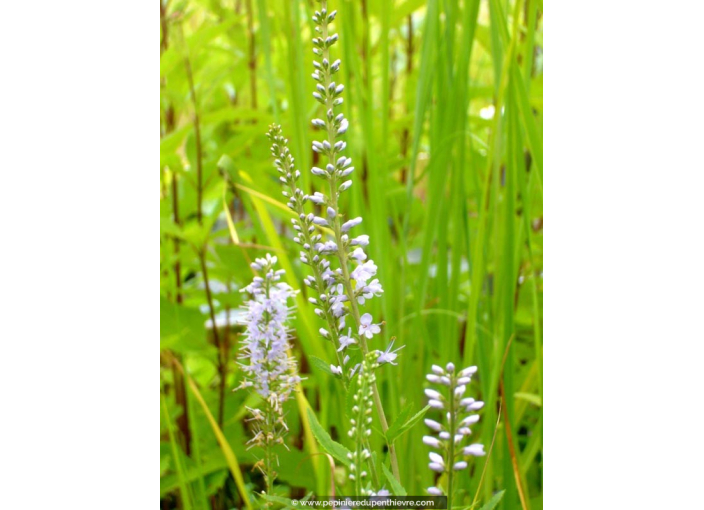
column 368, row 291
column 346, row 340
column 359, row 255
column 366, row 328
column 388, row 356
column 363, row 272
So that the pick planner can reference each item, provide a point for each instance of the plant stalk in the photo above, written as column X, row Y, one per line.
column 222, row 364
column 196, row 129
column 451, row 452
column 252, row 63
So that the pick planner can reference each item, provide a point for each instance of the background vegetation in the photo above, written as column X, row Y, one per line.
column 444, row 100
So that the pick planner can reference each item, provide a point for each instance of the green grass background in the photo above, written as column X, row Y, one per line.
column 444, row 99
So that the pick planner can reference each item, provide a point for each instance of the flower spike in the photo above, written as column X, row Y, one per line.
column 453, row 431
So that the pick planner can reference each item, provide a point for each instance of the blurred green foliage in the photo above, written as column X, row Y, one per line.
column 444, row 100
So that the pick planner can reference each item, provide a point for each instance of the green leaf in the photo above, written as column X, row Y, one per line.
column 400, row 420
column 491, row 504
column 167, row 226
column 295, row 470
column 335, row 449
column 396, row 488
column 227, row 166
column 182, row 327
column 407, row 426
column 530, row 397
column 320, row 364
column 173, row 140
column 286, row 502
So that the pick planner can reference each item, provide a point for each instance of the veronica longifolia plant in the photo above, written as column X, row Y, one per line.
column 268, row 368
column 342, row 275
column 448, row 436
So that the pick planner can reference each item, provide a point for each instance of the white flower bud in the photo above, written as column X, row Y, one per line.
column 351, row 223
column 432, row 441
column 476, row 406
column 437, row 370
column 476, row 450
column 439, row 468
column 471, row 419
column 433, row 424
column 436, row 404
column 317, row 198
column 468, row 372
column 362, row 240
column 437, row 458
column 433, row 394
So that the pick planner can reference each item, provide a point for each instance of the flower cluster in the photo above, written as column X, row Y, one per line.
column 343, row 277
column 452, row 433
column 269, row 370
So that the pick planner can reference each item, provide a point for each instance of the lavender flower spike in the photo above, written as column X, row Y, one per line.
column 268, row 368
column 315, row 253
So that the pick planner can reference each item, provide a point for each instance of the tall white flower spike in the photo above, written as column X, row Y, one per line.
column 454, row 428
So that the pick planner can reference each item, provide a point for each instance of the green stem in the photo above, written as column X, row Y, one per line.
column 269, row 419
column 268, row 470
column 451, row 453
column 222, row 361
column 360, row 440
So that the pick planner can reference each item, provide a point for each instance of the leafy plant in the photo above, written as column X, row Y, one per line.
column 443, row 103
